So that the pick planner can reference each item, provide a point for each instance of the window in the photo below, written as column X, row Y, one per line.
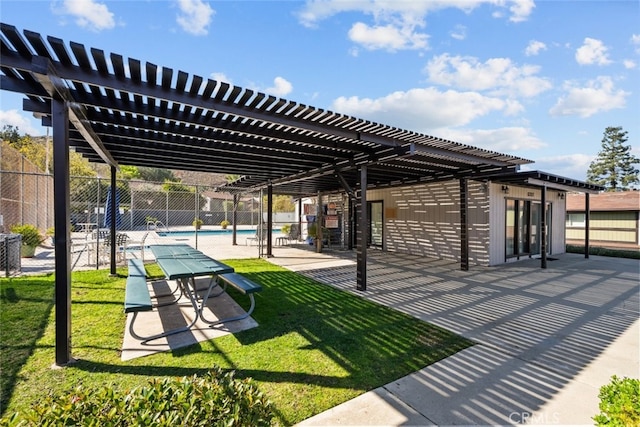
column 576, row 220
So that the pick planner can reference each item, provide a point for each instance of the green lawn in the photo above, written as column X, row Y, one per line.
column 316, row 346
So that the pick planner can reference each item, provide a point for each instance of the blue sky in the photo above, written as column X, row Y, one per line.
column 535, row 79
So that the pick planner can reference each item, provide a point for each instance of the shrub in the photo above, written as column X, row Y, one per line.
column 30, row 234
column 595, row 250
column 197, row 222
column 224, row 223
column 216, row 398
column 619, row 403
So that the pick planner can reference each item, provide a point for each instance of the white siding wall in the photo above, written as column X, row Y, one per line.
column 498, row 216
column 425, row 220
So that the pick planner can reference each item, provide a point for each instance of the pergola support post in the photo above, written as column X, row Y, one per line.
column 234, row 217
column 543, row 228
column 362, row 233
column 62, row 238
column 300, row 218
column 269, row 220
column 464, row 224
column 319, row 236
column 587, row 219
column 112, row 224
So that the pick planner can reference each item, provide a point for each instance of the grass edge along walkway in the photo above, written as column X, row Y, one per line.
column 315, row 346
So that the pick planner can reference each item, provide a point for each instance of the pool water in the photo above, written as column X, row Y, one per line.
column 190, row 233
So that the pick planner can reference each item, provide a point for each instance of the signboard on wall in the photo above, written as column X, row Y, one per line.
column 331, row 221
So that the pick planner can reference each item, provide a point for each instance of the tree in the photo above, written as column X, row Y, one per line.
column 613, row 168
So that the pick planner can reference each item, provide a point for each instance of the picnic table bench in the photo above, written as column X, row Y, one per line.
column 242, row 284
column 137, row 297
column 184, row 264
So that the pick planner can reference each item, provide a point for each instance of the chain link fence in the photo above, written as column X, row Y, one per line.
column 142, row 204
column 27, row 198
column 26, row 194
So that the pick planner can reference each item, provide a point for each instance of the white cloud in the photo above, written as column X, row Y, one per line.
column 503, row 140
column 89, row 14
column 317, row 10
column 635, row 40
column 396, row 24
column 592, row 51
column 220, row 77
column 498, row 75
column 629, row 64
column 520, row 10
column 572, row 165
column 388, row 37
column 18, row 120
column 534, row 48
column 421, row 110
column 597, row 96
column 459, row 32
column 281, row 87
column 194, row 17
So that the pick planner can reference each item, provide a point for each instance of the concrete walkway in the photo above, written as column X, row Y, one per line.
column 547, row 339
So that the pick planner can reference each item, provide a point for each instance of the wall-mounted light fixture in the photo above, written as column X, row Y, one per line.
column 561, row 196
column 505, row 189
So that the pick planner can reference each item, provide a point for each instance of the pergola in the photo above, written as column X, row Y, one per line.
column 121, row 111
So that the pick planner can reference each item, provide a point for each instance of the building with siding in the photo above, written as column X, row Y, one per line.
column 614, row 219
column 504, row 218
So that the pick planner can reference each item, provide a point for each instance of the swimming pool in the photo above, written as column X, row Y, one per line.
column 191, row 233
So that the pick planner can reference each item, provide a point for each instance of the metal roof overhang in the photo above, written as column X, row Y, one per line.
column 130, row 113
column 543, row 179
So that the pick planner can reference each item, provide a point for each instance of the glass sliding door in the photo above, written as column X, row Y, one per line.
column 523, row 228
column 375, row 224
column 511, row 228
column 536, row 217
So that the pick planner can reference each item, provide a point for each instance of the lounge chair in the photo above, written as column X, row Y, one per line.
column 261, row 235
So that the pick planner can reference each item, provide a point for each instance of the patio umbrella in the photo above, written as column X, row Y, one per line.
column 107, row 210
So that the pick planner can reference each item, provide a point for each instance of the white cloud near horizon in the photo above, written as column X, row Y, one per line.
column 598, row 95
column 497, row 75
column 194, row 17
column 571, row 165
column 17, row 119
column 592, row 51
column 89, row 14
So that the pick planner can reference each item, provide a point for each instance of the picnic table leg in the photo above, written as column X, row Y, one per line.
column 172, row 331
column 171, row 293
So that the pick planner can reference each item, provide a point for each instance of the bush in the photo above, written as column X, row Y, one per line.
column 224, row 223
column 30, row 234
column 619, row 403
column 595, row 250
column 217, row 398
